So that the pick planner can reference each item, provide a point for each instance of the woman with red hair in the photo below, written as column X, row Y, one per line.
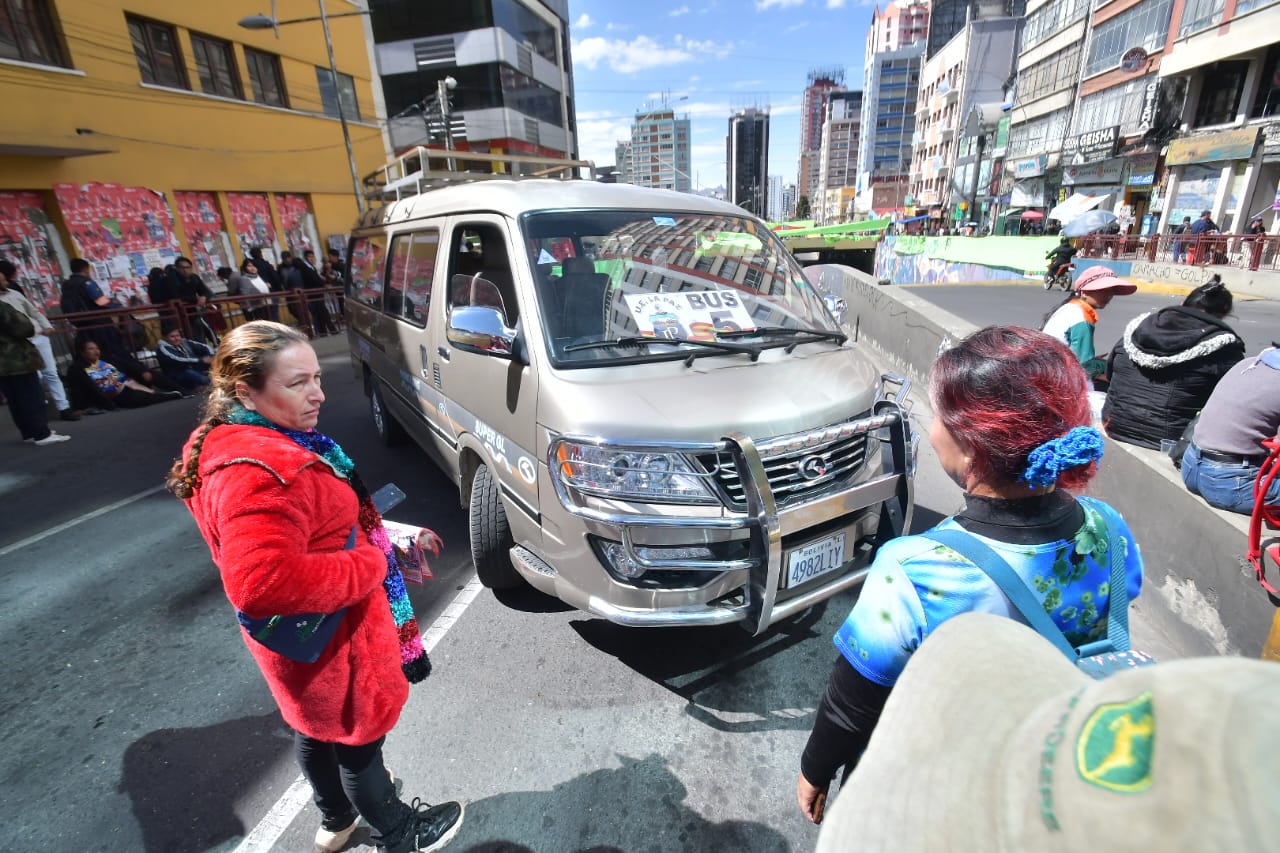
column 1011, row 427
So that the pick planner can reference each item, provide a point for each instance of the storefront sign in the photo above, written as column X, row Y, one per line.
column 1105, row 172
column 1142, row 170
column 1150, row 99
column 1213, row 147
column 1028, row 193
column 1134, row 59
column 1276, row 205
column 1094, row 145
column 1030, row 167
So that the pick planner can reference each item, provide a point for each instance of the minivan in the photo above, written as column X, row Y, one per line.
column 649, row 411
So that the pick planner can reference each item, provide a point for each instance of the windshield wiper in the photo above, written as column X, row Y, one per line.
column 636, row 341
column 817, row 334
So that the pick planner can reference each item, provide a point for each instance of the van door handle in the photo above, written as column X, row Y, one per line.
column 444, row 352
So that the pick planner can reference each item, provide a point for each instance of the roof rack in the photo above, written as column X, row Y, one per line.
column 420, row 169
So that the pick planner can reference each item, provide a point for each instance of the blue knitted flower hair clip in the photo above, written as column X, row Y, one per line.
column 1080, row 446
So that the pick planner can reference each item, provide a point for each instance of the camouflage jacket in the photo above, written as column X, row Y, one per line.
column 17, row 354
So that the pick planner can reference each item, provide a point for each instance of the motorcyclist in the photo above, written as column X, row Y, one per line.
column 1059, row 256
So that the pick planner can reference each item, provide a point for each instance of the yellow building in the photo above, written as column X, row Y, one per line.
column 137, row 131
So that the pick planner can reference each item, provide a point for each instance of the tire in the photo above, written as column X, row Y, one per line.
column 1048, row 281
column 491, row 539
column 390, row 432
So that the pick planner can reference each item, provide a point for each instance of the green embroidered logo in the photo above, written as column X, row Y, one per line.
column 1115, row 745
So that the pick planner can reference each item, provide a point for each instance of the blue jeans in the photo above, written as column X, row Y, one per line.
column 1224, row 485
column 188, row 378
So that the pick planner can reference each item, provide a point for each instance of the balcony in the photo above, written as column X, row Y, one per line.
column 947, row 130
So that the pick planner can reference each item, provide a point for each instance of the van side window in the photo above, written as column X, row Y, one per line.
column 480, row 250
column 364, row 284
column 410, row 275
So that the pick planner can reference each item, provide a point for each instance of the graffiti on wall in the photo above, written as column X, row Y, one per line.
column 29, row 241
column 121, row 231
column 298, row 223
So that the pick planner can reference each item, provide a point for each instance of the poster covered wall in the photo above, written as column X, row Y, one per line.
column 206, row 234
column 298, row 223
column 122, row 231
column 29, row 240
column 251, row 219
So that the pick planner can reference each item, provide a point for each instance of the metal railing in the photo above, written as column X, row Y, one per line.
column 421, row 168
column 1245, row 251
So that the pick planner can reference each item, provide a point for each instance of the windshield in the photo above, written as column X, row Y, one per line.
column 676, row 279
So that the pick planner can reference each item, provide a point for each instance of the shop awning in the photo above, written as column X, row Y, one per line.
column 1077, row 204
column 1032, row 214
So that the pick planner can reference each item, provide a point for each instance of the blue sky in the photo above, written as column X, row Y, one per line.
column 708, row 58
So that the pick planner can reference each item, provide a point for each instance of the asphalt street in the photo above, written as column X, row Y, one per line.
column 135, row 719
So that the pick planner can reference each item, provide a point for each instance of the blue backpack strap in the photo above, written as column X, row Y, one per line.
column 1011, row 584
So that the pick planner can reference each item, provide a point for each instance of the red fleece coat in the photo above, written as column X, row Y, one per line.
column 277, row 518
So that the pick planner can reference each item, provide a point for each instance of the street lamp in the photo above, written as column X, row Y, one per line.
column 265, row 22
column 443, row 88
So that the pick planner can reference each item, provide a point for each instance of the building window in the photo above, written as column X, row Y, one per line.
column 155, row 45
column 216, row 65
column 1267, row 103
column 1200, row 14
column 1119, row 105
column 265, row 75
column 1220, row 96
column 28, row 33
column 1145, row 25
column 346, row 90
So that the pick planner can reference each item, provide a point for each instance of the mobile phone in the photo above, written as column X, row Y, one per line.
column 387, row 498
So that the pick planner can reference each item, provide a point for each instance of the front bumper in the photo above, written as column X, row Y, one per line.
column 754, row 596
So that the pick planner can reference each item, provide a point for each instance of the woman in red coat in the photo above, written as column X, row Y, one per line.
column 293, row 531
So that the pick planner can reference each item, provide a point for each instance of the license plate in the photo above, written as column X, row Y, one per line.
column 815, row 559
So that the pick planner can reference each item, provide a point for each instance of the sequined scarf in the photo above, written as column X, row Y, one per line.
column 413, row 657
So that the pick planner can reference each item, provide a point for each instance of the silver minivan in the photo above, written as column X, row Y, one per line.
column 648, row 410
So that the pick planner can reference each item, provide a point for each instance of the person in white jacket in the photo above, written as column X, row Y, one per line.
column 44, row 330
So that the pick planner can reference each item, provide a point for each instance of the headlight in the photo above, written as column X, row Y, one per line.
column 627, row 475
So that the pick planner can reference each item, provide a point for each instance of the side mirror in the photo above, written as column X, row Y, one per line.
column 480, row 329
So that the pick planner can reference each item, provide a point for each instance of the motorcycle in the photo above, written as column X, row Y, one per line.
column 1062, row 279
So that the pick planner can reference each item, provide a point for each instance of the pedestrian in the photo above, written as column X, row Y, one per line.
column 1202, row 249
column 161, row 289
column 182, row 360
column 1221, row 463
column 81, row 295
column 20, row 366
column 1179, row 245
column 206, row 321
column 1011, row 427
column 993, row 741
column 248, row 282
column 52, row 382
column 1163, row 369
column 1072, row 321
column 321, row 319
column 249, row 476
column 291, row 281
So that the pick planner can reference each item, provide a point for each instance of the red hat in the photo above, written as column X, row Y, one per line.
column 1102, row 278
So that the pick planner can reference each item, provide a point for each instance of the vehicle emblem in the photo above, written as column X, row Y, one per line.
column 812, row 467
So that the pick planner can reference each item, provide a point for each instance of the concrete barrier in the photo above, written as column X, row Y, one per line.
column 1198, row 591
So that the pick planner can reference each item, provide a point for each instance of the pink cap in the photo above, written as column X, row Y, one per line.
column 1102, row 278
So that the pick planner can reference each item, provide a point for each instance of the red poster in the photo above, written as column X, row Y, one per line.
column 203, row 224
column 29, row 240
column 251, row 219
column 295, row 214
column 121, row 231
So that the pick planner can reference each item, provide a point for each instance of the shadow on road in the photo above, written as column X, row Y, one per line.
column 648, row 803
column 526, row 599
column 184, row 783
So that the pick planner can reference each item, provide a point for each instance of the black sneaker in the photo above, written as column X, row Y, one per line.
column 430, row 829
column 68, row 415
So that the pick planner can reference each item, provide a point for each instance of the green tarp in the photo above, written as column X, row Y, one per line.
column 1025, row 254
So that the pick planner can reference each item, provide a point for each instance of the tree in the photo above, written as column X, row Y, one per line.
column 802, row 207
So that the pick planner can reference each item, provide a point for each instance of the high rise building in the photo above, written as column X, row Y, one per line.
column 896, row 42
column 777, row 209
column 747, row 149
column 948, row 17
column 838, row 157
column 512, row 89
column 813, row 112
column 658, row 153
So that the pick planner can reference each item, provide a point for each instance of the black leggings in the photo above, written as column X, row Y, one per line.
column 350, row 779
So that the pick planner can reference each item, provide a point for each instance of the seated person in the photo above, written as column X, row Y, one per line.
column 183, row 360
column 1164, row 368
column 1226, row 451
column 99, row 384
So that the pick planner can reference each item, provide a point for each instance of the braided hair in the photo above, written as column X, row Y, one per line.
column 246, row 354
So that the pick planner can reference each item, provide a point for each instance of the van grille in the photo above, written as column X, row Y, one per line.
column 828, row 461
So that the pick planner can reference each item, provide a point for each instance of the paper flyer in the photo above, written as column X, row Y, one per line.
column 689, row 316
column 409, row 542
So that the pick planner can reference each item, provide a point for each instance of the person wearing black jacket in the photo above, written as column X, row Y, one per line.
column 1166, row 365
column 321, row 321
column 195, row 294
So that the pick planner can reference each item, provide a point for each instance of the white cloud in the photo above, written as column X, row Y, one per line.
column 762, row 5
column 642, row 53
column 675, row 13
column 791, row 29
column 584, row 21
column 835, row 4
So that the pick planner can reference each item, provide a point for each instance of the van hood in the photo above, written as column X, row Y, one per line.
column 816, row 385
